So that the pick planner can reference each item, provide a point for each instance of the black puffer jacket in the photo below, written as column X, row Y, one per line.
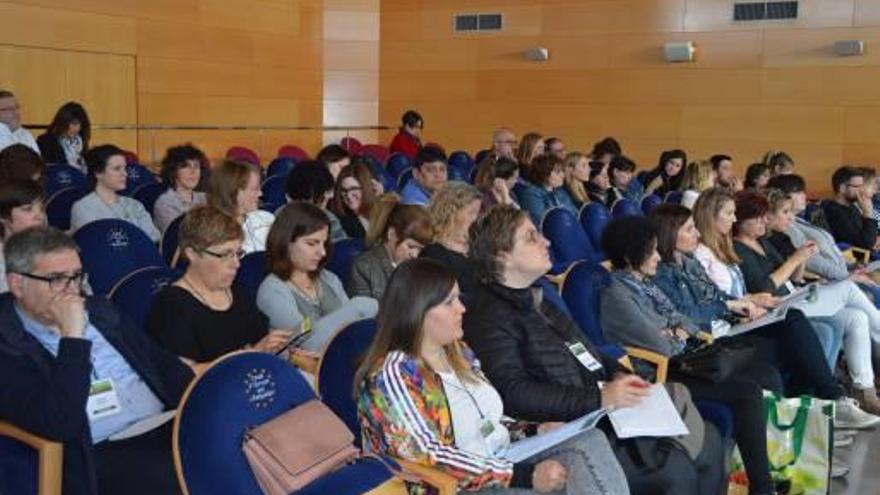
column 522, row 345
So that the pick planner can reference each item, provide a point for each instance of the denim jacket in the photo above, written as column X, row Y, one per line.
column 692, row 292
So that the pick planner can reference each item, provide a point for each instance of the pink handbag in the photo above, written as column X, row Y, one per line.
column 298, row 447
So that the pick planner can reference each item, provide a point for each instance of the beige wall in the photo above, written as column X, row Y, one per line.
column 755, row 86
column 209, row 62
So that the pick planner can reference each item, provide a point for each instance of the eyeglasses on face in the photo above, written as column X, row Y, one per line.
column 59, row 281
column 226, row 255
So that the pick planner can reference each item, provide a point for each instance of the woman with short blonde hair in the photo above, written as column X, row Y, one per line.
column 452, row 211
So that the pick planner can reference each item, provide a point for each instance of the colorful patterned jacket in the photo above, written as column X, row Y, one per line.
column 404, row 413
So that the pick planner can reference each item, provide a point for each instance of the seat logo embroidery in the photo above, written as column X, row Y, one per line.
column 118, row 239
column 259, row 387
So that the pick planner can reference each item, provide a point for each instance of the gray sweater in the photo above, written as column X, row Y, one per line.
column 92, row 208
column 829, row 262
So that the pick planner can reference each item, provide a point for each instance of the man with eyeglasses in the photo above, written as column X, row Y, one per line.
column 850, row 214
column 11, row 131
column 504, row 143
column 77, row 372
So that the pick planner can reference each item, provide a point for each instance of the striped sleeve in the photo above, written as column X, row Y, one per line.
column 409, row 408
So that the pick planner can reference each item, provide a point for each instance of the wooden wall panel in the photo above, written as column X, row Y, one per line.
column 754, row 86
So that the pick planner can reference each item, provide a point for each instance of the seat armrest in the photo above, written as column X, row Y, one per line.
column 50, row 455
column 660, row 361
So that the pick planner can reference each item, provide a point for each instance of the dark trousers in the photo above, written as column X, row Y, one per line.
column 742, row 393
column 660, row 467
column 141, row 465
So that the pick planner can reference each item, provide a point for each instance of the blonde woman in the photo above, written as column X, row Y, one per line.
column 452, row 211
column 577, row 172
column 530, row 147
column 698, row 176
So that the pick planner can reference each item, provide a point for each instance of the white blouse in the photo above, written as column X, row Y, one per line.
column 476, row 410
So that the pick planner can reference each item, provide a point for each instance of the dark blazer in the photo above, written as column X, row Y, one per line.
column 370, row 273
column 51, row 150
column 47, row 395
column 524, row 353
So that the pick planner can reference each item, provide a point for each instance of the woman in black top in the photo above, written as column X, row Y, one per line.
column 67, row 139
column 353, row 199
column 202, row 316
column 668, row 175
column 452, row 211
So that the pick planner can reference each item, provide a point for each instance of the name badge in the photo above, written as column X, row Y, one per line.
column 583, row 355
column 103, row 400
column 487, row 429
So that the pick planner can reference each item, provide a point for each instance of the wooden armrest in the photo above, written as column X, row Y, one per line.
column 857, row 255
column 445, row 484
column 305, row 360
column 659, row 360
column 50, row 454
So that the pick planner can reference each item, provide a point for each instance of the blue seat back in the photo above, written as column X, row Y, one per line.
column 481, row 155
column 274, row 193
column 134, row 294
column 111, row 249
column 137, row 176
column 404, row 177
column 376, row 151
column 643, row 177
column 388, row 181
column 251, row 273
column 456, row 173
column 19, row 467
column 237, row 392
column 58, row 177
column 336, row 371
column 461, row 160
column 280, row 166
column 58, row 206
column 674, row 197
column 551, row 294
column 342, row 258
column 397, row 163
column 593, row 218
column 581, row 290
column 625, row 207
column 650, row 202
column 170, row 240
column 568, row 241
column 147, row 194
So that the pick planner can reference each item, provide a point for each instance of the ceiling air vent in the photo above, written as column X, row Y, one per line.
column 478, row 22
column 762, row 11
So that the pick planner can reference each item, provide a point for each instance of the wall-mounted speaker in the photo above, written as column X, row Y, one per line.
column 679, row 51
column 849, row 48
column 537, row 54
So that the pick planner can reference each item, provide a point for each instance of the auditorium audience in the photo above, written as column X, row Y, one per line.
column 636, row 312
column 725, row 176
column 298, row 287
column 698, row 176
column 353, row 199
column 577, row 175
column 530, row 147
column 67, row 139
column 779, row 163
column 452, row 211
column 496, row 177
column 18, row 163
column 310, row 181
column 398, row 232
column 21, row 207
column 668, row 175
column 11, row 131
column 428, row 175
column 545, row 370
column 757, row 177
column 545, row 190
column 234, row 189
column 621, row 174
column 203, row 315
column 182, row 169
column 107, row 176
column 422, row 397
column 850, row 214
column 504, row 143
column 408, row 139
column 555, row 146
column 598, row 186
column 335, row 158
column 57, row 346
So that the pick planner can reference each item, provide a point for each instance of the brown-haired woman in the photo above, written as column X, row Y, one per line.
column 422, row 397
column 353, row 199
column 234, row 189
column 398, row 232
column 203, row 315
column 298, row 286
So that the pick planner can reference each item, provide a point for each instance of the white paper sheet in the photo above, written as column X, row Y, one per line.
column 655, row 416
column 532, row 446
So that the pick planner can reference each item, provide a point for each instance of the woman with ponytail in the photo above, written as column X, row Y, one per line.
column 398, row 232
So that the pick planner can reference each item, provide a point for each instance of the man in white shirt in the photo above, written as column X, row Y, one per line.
column 11, row 131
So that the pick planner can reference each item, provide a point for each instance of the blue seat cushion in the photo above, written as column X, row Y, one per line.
column 18, row 467
column 359, row 477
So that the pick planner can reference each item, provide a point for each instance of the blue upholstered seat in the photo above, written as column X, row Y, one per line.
column 110, row 249
column 344, row 253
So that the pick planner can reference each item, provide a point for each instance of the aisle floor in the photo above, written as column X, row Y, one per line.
column 863, row 457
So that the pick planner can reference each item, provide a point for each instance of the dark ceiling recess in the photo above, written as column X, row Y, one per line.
column 762, row 11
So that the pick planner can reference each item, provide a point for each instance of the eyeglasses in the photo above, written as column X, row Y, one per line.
column 226, row 255
column 60, row 282
column 511, row 142
column 346, row 190
column 532, row 237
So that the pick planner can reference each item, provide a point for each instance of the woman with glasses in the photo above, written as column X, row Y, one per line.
column 21, row 207
column 353, row 199
column 299, row 294
column 203, row 315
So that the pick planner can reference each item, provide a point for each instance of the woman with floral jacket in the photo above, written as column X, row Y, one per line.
column 423, row 398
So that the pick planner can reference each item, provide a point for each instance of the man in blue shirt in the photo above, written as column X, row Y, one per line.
column 429, row 173
column 76, row 372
